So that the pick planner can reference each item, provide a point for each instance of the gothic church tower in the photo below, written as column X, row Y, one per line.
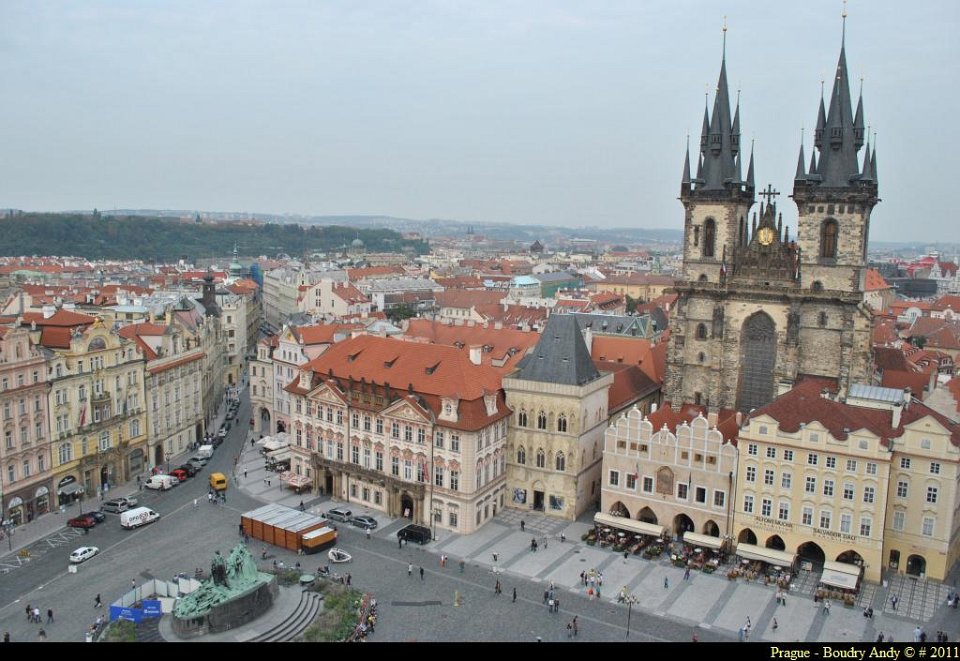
column 757, row 311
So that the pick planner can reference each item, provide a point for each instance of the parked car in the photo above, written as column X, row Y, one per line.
column 231, row 414
column 189, row 469
column 364, row 521
column 340, row 514
column 82, row 521
column 131, row 501
column 161, row 482
column 180, row 474
column 97, row 515
column 83, row 553
column 414, row 533
column 198, row 461
column 115, row 506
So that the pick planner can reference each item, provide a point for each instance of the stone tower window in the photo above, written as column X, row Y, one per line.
column 521, row 456
column 561, row 462
column 702, row 278
column 541, row 420
column 701, row 331
column 561, row 422
column 828, row 239
column 709, row 237
column 701, row 357
column 822, row 320
column 541, row 458
column 522, row 418
column 817, row 285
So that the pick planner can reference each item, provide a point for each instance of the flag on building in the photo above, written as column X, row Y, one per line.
column 83, row 415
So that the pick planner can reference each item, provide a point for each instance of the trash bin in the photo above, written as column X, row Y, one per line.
column 89, row 637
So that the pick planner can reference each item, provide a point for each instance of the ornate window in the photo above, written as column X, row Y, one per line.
column 829, row 232
column 561, row 422
column 541, row 458
column 709, row 237
column 521, row 456
column 522, row 418
column 561, row 462
column 701, row 331
column 541, row 420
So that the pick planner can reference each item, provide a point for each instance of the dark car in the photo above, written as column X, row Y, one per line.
column 82, row 521
column 364, row 521
column 180, row 474
column 415, row 533
column 189, row 469
column 340, row 514
column 97, row 515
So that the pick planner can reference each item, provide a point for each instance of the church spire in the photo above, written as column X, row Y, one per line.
column 720, row 140
column 750, row 185
column 685, row 181
column 858, row 127
column 801, row 174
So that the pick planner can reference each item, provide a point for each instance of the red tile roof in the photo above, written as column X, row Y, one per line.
column 875, row 281
column 630, row 385
column 939, row 333
column 501, row 341
column 56, row 337
column 62, row 318
column 374, row 272
column 175, row 363
column 468, row 298
column 323, row 333
column 665, row 416
column 804, row 404
column 899, row 379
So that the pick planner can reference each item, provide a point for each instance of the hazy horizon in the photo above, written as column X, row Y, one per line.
column 550, row 113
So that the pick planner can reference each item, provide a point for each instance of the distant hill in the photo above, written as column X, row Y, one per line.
column 164, row 239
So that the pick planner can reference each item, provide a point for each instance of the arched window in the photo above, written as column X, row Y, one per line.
column 561, row 462
column 822, row 320
column 541, row 420
column 817, row 285
column 541, row 458
column 709, row 237
column 561, row 422
column 521, row 456
column 522, row 418
column 701, row 331
column 702, row 278
column 66, row 453
column 701, row 357
column 829, row 232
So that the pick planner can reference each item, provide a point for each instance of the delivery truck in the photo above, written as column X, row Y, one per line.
column 138, row 516
column 205, row 451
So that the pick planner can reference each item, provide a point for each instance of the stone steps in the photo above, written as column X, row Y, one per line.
column 309, row 607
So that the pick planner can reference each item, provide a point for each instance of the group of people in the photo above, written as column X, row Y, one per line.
column 34, row 615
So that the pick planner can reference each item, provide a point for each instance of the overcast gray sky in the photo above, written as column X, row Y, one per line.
column 569, row 113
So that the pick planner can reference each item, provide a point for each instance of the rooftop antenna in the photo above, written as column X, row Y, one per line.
column 843, row 36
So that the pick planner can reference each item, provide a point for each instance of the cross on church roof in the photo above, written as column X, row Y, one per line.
column 769, row 193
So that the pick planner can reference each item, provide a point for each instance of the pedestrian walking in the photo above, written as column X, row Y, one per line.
column 461, row 566
column 97, row 603
column 514, row 595
column 826, row 606
column 421, row 573
column 36, row 615
column 893, row 602
column 666, row 583
column 42, row 635
column 570, row 629
column 546, row 595
column 29, row 612
column 368, row 532
column 244, row 473
column 496, row 588
column 399, row 542
column 576, row 628
column 880, row 637
column 240, row 528
column 49, row 616
column 6, row 636
column 775, row 624
column 556, row 604
column 410, row 569
column 523, row 525
column 686, row 574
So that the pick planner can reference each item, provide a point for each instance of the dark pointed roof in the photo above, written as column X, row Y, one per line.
column 561, row 355
column 719, row 166
column 801, row 173
column 838, row 150
column 750, row 183
column 686, row 165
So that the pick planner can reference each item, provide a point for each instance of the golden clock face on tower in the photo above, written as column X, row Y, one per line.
column 765, row 236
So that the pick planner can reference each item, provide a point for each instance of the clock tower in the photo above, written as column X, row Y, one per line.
column 758, row 309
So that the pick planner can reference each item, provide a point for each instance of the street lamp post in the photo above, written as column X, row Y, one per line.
column 631, row 600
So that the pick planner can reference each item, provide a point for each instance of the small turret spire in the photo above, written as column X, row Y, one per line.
column 873, row 159
column 801, row 174
column 750, row 185
column 685, row 182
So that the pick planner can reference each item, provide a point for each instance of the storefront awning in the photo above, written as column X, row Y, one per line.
column 703, row 540
column 71, row 488
column 840, row 575
column 294, row 480
column 623, row 523
column 770, row 556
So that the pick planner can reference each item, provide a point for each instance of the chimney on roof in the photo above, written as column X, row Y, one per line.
column 475, row 353
column 907, row 396
column 48, row 311
column 739, row 418
column 712, row 417
column 897, row 413
column 653, row 407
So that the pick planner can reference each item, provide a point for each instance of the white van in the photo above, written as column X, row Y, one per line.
column 138, row 516
column 205, row 451
column 162, row 482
